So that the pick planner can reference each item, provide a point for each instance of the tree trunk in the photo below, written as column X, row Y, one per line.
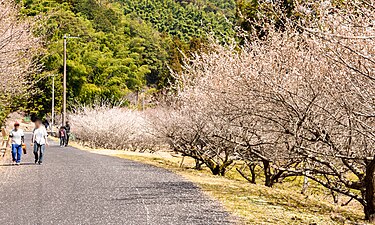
column 335, row 197
column 370, row 191
column 198, row 164
column 253, row 175
column 215, row 169
column 267, row 173
column 223, row 167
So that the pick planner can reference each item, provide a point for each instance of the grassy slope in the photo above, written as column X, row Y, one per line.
column 254, row 204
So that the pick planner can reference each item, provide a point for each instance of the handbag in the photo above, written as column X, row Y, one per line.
column 24, row 148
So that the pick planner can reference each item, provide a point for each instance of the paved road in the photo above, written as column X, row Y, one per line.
column 78, row 187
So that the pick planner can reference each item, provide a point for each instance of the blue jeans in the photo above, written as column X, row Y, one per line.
column 39, row 152
column 16, row 153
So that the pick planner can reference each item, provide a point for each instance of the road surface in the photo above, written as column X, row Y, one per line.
column 78, row 187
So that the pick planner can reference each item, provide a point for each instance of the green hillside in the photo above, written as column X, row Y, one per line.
column 185, row 19
column 123, row 47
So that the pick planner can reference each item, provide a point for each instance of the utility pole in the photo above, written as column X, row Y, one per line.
column 53, row 104
column 64, row 85
column 66, row 37
column 143, row 101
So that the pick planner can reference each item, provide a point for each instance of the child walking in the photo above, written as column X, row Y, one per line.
column 62, row 135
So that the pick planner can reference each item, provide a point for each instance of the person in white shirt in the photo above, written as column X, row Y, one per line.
column 39, row 140
column 17, row 138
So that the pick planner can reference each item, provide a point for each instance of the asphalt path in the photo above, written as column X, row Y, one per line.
column 77, row 187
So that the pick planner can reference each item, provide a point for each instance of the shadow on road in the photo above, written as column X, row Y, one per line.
column 22, row 164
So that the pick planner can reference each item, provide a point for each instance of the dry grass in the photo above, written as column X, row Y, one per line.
column 253, row 204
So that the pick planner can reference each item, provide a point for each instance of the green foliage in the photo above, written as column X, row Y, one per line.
column 185, row 19
column 123, row 47
column 254, row 14
column 9, row 103
column 103, row 65
column 3, row 114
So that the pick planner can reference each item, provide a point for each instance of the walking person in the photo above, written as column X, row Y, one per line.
column 62, row 136
column 40, row 141
column 17, row 138
column 46, row 124
column 67, row 128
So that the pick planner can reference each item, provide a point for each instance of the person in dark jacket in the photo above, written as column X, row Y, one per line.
column 46, row 124
column 67, row 129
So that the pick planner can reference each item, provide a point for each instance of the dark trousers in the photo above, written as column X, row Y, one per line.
column 62, row 141
column 39, row 152
column 67, row 139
